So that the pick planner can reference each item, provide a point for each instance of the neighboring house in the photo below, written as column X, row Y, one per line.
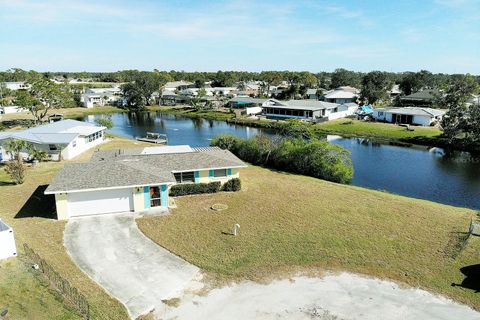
column 136, row 179
column 424, row 98
column 395, row 91
column 409, row 115
column 64, row 139
column 18, row 85
column 12, row 109
column 101, row 97
column 474, row 100
column 170, row 98
column 340, row 96
column 309, row 110
column 312, row 93
column 178, row 85
column 248, row 105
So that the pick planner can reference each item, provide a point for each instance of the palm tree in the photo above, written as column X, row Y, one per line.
column 14, row 147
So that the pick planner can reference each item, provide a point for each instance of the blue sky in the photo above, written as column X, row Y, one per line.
column 81, row 35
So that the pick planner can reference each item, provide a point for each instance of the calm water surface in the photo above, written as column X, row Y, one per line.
column 422, row 172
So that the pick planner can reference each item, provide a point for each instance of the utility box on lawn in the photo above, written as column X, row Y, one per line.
column 7, row 242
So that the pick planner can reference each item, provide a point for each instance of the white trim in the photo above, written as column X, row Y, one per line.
column 110, row 188
column 213, row 168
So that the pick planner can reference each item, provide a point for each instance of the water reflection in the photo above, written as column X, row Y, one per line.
column 420, row 172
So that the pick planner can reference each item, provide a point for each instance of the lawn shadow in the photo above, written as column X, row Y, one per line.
column 6, row 183
column 472, row 278
column 38, row 205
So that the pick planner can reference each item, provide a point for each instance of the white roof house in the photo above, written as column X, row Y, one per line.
column 311, row 110
column 64, row 139
column 341, row 96
column 17, row 85
column 409, row 115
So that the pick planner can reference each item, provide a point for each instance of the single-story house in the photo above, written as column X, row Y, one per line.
column 313, row 93
column 409, row 115
column 310, row 110
column 424, row 98
column 178, row 85
column 170, row 98
column 11, row 109
column 340, row 96
column 136, row 180
column 17, row 85
column 64, row 139
column 101, row 97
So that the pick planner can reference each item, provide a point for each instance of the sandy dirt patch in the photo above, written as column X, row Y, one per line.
column 342, row 296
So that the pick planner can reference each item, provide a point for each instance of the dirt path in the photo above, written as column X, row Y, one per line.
column 343, row 296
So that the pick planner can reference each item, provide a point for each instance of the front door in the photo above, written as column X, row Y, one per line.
column 155, row 197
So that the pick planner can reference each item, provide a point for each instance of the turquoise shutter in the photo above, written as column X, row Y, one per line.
column 197, row 176
column 164, row 195
column 146, row 197
column 229, row 171
column 210, row 173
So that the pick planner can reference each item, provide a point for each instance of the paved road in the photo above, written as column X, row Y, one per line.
column 114, row 253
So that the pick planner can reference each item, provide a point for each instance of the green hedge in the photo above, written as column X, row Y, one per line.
column 315, row 158
column 232, row 185
column 194, row 188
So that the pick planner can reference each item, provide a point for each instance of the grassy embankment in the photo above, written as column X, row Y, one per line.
column 26, row 210
column 292, row 223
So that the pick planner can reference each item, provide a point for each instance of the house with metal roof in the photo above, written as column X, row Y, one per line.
column 310, row 110
column 423, row 98
column 136, row 179
column 64, row 139
column 409, row 115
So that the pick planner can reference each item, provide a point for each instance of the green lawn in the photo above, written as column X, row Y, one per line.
column 295, row 223
column 25, row 296
column 41, row 232
column 348, row 127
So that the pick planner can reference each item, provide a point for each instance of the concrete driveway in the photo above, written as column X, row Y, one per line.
column 133, row 269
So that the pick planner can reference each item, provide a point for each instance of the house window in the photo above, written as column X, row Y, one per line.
column 155, row 197
column 380, row 113
column 74, row 143
column 218, row 173
column 52, row 147
column 184, row 177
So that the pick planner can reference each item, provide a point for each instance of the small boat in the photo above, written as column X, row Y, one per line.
column 154, row 137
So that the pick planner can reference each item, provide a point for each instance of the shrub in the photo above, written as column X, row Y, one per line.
column 194, row 188
column 232, row 185
column 16, row 171
column 315, row 158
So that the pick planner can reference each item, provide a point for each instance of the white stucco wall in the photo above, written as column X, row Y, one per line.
column 7, row 242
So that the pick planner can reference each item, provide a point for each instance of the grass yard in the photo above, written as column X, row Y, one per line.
column 25, row 296
column 348, row 127
column 295, row 223
column 34, row 224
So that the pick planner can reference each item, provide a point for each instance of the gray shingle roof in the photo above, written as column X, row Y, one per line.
column 129, row 168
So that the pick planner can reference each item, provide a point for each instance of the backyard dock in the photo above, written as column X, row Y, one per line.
column 153, row 137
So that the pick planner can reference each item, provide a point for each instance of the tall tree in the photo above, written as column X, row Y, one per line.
column 415, row 81
column 459, row 117
column 375, row 87
column 343, row 77
column 43, row 96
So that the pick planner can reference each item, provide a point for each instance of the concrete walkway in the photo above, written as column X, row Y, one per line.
column 136, row 271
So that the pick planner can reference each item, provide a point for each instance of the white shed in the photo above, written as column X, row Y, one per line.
column 7, row 242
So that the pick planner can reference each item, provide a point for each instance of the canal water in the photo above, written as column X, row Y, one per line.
column 418, row 172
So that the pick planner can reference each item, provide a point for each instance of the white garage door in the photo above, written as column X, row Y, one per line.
column 99, row 202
